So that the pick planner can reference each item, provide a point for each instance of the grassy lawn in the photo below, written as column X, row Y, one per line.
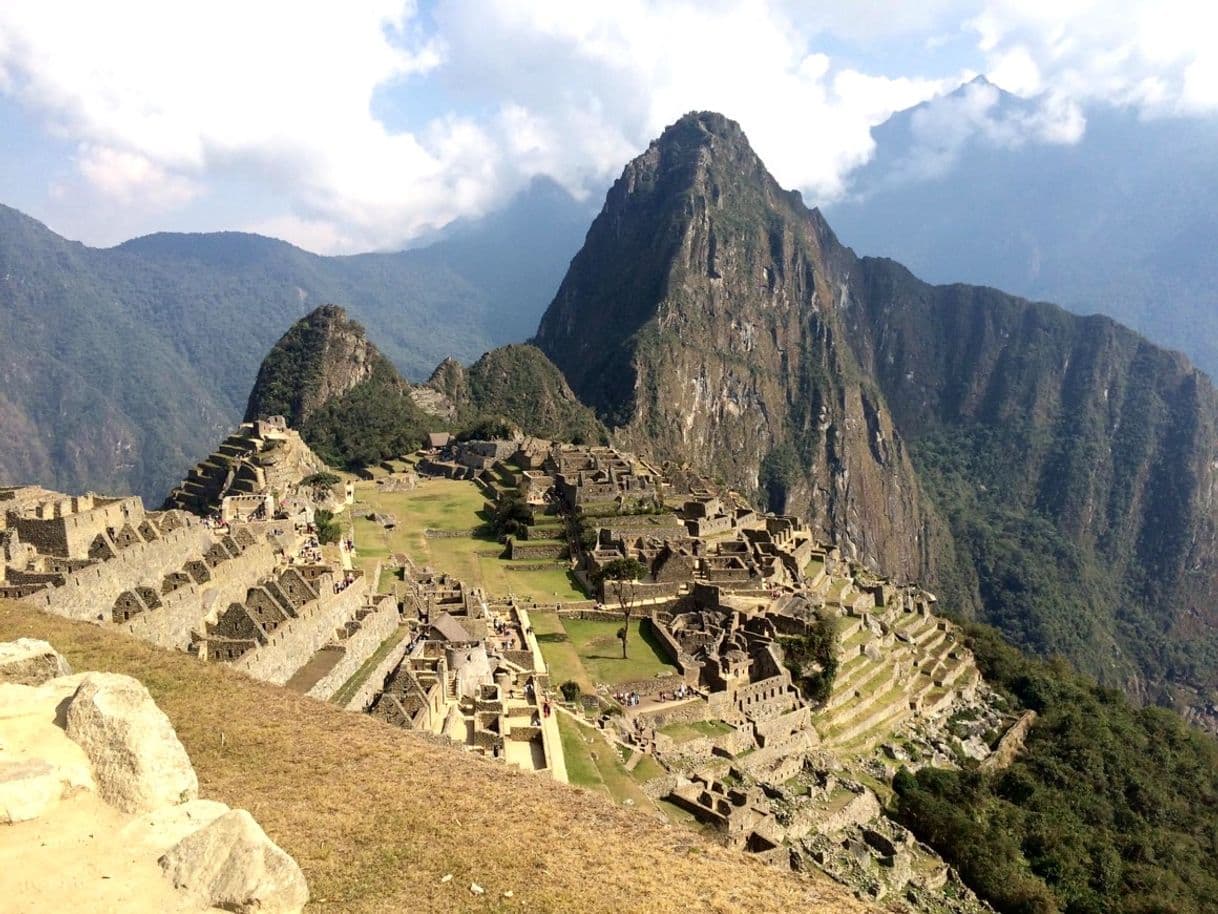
column 452, row 505
column 683, row 733
column 599, row 649
column 558, row 651
column 597, row 764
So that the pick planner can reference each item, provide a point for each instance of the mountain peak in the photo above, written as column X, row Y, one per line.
column 322, row 356
column 702, row 123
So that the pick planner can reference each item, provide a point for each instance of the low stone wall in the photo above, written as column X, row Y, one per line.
column 592, row 615
column 536, row 549
column 782, row 760
column 375, row 683
column 641, row 591
column 678, row 712
column 448, row 534
column 783, row 725
column 535, row 566
column 373, row 631
column 647, row 687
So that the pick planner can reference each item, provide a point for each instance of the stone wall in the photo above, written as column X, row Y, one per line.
column 296, row 640
column 373, row 631
column 185, row 609
column 71, row 534
column 89, row 594
column 371, row 687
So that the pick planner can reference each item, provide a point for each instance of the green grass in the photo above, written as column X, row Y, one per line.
column 559, row 653
column 600, row 651
column 593, row 763
column 348, row 688
column 451, row 505
column 646, row 769
column 683, row 733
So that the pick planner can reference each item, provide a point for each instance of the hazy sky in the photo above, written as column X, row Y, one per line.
column 361, row 125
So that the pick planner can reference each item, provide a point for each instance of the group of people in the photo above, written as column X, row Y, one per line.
column 631, row 699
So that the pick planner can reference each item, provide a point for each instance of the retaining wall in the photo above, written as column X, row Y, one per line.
column 296, row 640
column 377, row 626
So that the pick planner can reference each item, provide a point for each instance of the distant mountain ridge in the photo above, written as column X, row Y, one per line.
column 1122, row 222
column 121, row 367
column 1049, row 473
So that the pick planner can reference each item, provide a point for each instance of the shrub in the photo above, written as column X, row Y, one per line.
column 570, row 690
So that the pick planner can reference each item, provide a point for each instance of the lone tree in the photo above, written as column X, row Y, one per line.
column 623, row 571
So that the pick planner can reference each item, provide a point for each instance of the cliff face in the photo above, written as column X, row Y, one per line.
column 1053, row 474
column 702, row 321
column 1076, row 421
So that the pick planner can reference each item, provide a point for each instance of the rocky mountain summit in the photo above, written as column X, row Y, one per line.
column 323, row 356
column 1050, row 473
column 700, row 321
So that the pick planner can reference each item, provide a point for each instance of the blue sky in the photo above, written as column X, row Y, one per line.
column 345, row 127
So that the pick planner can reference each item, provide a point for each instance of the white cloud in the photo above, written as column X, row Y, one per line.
column 166, row 102
column 130, row 178
column 1154, row 54
column 940, row 129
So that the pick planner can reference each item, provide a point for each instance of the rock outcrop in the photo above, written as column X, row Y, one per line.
column 137, row 758
column 90, row 768
column 232, row 864
column 28, row 661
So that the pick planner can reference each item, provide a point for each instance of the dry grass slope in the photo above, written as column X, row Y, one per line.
column 376, row 816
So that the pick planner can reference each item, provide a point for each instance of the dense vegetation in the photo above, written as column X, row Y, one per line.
column 371, row 422
column 812, row 660
column 519, row 384
column 328, row 529
column 124, row 366
column 1108, row 809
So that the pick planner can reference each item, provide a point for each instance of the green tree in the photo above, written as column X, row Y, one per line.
column 510, row 517
column 624, row 571
column 328, row 529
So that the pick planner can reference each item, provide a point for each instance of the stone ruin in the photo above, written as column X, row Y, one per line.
column 253, row 466
column 250, row 593
column 470, row 670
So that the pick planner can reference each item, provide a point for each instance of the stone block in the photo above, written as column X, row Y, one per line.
column 138, row 762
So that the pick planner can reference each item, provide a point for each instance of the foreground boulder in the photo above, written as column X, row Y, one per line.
column 232, row 864
column 28, row 661
column 138, row 762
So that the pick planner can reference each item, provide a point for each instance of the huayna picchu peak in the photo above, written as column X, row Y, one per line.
column 950, row 434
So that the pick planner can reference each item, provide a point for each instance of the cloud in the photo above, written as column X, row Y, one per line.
column 939, row 130
column 167, row 104
column 1156, row 55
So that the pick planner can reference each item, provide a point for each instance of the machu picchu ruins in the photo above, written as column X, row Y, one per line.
column 787, row 684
